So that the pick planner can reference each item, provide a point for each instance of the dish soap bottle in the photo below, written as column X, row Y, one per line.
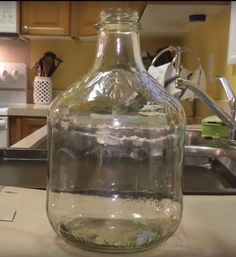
column 116, row 142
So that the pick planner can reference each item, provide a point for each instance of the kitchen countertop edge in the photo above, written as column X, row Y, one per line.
column 34, row 110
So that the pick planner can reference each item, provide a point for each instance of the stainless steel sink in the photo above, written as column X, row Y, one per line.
column 23, row 168
column 209, row 166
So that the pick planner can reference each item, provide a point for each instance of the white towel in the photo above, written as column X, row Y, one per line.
column 165, row 75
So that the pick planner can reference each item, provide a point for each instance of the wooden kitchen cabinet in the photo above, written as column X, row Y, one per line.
column 21, row 127
column 84, row 14
column 45, row 18
column 67, row 18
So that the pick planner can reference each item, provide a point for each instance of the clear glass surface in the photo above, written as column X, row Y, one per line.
column 116, row 142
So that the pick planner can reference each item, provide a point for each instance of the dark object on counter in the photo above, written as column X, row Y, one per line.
column 47, row 65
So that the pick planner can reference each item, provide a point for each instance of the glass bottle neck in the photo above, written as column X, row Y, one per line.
column 118, row 50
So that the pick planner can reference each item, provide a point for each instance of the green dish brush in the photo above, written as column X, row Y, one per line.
column 213, row 127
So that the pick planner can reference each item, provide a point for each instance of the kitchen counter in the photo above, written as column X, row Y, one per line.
column 35, row 110
column 207, row 229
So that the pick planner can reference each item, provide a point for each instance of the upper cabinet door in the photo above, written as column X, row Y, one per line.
column 84, row 14
column 45, row 18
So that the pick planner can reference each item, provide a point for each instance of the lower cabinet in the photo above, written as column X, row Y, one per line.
column 21, row 127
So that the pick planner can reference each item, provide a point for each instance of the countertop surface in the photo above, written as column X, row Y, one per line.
column 36, row 110
column 207, row 229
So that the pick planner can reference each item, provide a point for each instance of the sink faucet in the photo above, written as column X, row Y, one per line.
column 229, row 120
column 230, row 96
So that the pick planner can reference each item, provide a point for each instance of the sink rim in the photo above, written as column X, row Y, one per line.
column 196, row 144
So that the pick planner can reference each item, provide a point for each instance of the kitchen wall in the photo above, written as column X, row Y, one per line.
column 14, row 51
column 210, row 41
column 78, row 56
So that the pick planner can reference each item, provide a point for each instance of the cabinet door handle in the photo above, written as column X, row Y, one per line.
column 27, row 29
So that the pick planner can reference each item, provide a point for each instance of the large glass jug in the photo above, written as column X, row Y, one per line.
column 116, row 142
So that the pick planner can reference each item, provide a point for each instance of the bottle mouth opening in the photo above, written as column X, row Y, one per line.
column 113, row 19
column 119, row 16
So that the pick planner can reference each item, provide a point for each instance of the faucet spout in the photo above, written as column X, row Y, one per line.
column 209, row 102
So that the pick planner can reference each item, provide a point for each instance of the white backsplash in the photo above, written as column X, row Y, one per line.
column 13, row 83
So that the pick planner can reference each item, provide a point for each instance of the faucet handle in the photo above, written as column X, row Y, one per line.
column 228, row 90
column 230, row 95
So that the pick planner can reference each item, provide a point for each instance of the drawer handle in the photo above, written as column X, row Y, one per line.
column 3, row 124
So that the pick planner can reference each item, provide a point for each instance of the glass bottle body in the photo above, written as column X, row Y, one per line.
column 115, row 153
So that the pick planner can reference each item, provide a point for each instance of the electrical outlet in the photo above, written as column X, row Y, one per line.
column 13, row 75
